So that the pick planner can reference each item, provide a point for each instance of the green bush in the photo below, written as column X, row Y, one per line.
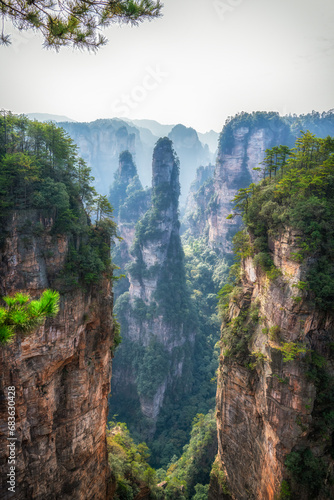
column 285, row 493
column 274, row 333
column 21, row 314
column 291, row 350
column 307, row 469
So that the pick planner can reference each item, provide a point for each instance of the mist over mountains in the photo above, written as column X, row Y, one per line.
column 100, row 143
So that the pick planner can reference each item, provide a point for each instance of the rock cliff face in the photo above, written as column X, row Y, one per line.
column 61, row 373
column 155, row 335
column 271, row 413
column 100, row 144
column 234, row 170
column 196, row 212
column 241, row 148
column 130, row 202
column 191, row 153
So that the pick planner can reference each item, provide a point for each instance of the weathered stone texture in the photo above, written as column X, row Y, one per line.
column 61, row 373
column 265, row 413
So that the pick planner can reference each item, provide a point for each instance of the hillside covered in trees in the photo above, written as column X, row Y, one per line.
column 40, row 170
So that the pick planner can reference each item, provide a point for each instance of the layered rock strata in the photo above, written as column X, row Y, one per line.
column 61, row 373
column 241, row 148
column 269, row 409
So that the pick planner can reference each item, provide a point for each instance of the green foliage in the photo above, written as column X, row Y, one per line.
column 235, row 336
column 298, row 195
column 131, row 471
column 242, row 246
column 220, row 476
column 259, row 359
column 117, row 333
column 204, row 274
column 128, row 463
column 301, row 285
column 202, row 492
column 322, row 416
column 251, row 120
column 40, row 169
column 254, row 312
column 22, row 314
column 307, row 470
column 75, row 23
column 264, row 261
column 291, row 350
column 172, row 293
column 126, row 195
column 152, row 369
column 285, row 493
column 237, row 332
column 274, row 333
column 194, row 465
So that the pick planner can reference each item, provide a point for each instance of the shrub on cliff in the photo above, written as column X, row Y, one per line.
column 23, row 315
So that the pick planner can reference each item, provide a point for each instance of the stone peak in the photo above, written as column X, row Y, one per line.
column 165, row 165
column 127, row 169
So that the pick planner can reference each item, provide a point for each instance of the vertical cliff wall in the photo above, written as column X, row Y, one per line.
column 157, row 336
column 100, row 144
column 130, row 202
column 61, row 372
column 241, row 148
column 191, row 153
column 274, row 436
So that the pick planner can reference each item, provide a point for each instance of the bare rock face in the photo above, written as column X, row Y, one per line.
column 100, row 143
column 271, row 408
column 195, row 217
column 234, row 170
column 61, row 373
column 191, row 153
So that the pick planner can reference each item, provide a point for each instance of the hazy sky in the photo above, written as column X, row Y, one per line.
column 202, row 61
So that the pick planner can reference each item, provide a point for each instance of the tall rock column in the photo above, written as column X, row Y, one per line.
column 157, row 332
column 241, row 148
column 130, row 201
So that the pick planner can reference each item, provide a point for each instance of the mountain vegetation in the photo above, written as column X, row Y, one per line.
column 185, row 300
column 298, row 192
column 40, row 170
column 183, row 479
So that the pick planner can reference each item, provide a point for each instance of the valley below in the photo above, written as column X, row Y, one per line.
column 188, row 353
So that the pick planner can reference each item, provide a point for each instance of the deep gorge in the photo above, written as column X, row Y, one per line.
column 270, row 364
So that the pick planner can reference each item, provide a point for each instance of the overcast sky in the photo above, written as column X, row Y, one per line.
column 202, row 61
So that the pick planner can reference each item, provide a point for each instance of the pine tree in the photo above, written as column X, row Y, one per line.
column 22, row 314
column 77, row 22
